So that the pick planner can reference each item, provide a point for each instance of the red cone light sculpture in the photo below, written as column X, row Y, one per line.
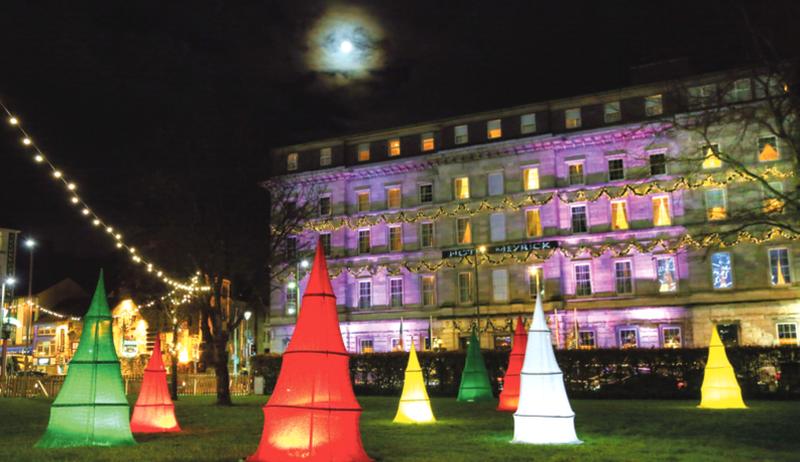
column 154, row 411
column 313, row 413
column 509, row 397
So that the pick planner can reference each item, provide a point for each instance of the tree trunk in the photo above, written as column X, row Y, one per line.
column 221, row 368
column 173, row 386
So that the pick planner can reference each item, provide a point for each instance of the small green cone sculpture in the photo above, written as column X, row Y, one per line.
column 91, row 409
column 475, row 384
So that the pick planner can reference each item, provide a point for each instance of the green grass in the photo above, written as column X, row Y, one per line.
column 611, row 431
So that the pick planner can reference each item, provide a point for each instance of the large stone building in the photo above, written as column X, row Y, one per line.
column 596, row 196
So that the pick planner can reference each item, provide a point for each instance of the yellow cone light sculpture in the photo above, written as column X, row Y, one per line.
column 720, row 389
column 415, row 406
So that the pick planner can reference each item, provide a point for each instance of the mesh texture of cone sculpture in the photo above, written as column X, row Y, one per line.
column 154, row 411
column 91, row 409
column 509, row 397
column 475, row 384
column 313, row 413
column 720, row 389
column 415, row 406
column 544, row 415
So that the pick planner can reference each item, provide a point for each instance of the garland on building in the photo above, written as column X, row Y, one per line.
column 617, row 249
column 515, row 203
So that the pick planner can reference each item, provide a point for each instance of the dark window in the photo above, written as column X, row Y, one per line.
column 616, row 170
column 425, row 193
column 291, row 248
column 658, row 164
column 326, row 243
column 325, row 205
column 729, row 334
column 579, row 219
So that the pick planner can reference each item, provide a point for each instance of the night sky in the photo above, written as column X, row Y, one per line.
column 118, row 93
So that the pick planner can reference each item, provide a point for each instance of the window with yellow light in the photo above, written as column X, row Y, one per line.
column 461, row 188
column 530, row 178
column 711, row 158
column 661, row 213
column 619, row 215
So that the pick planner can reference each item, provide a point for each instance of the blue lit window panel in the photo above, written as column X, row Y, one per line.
column 722, row 270
column 667, row 276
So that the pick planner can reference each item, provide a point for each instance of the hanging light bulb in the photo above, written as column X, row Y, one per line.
column 38, row 158
column 26, row 141
column 71, row 186
column 74, row 199
column 96, row 222
column 57, row 173
column 13, row 120
column 119, row 245
column 109, row 230
column 85, row 211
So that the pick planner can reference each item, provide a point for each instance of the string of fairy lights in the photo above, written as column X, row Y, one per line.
column 515, row 203
column 74, row 198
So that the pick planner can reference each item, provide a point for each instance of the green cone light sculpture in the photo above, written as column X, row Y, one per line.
column 91, row 409
column 475, row 384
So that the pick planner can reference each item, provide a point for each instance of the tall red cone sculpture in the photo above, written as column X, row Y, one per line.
column 509, row 397
column 154, row 411
column 313, row 413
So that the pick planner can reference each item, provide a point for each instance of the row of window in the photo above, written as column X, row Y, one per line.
column 698, row 96
column 768, row 151
column 665, row 271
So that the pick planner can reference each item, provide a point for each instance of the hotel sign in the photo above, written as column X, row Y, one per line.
column 503, row 248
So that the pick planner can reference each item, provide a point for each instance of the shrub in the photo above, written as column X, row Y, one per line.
column 603, row 373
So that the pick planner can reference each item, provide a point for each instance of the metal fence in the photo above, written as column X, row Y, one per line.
column 188, row 385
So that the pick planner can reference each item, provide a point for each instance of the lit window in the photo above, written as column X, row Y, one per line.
column 393, row 198
column 702, row 95
column 500, row 285
column 658, row 164
column 497, row 227
column 363, row 152
column 395, row 238
column 787, row 333
column 616, row 169
column 502, row 342
column 768, row 149
column 587, row 340
column 653, row 105
column 576, row 173
column 619, row 215
column 533, row 223
column 461, row 186
column 428, row 290
column 427, row 141
column 461, row 134
column 572, row 118
column 493, row 129
column 583, row 280
column 291, row 300
column 367, row 346
column 628, row 337
column 291, row 162
column 364, row 294
column 716, row 207
column 671, row 337
column 363, row 241
column 666, row 274
column 325, row 157
column 772, row 203
column 325, row 205
column 362, row 201
column 464, row 287
column 623, row 277
column 527, row 123
column 739, row 91
column 394, row 147
column 496, row 186
column 612, row 112
column 396, row 292
column 779, row 269
column 661, row 215
column 535, row 281
column 711, row 158
column 530, row 179
column 425, row 193
column 579, row 224
column 325, row 238
column 721, row 270
column 463, row 231
column 426, row 235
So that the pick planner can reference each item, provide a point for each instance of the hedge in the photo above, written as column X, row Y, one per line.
column 763, row 373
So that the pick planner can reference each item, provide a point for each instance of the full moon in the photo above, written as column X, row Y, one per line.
column 346, row 46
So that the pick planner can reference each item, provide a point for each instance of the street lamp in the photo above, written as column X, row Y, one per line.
column 249, row 337
column 30, row 244
column 479, row 250
column 6, row 327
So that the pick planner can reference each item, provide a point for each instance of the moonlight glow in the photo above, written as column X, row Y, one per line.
column 344, row 43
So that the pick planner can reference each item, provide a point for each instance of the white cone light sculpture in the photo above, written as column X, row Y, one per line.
column 544, row 415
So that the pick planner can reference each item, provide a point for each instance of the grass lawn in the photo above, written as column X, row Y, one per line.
column 611, row 431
